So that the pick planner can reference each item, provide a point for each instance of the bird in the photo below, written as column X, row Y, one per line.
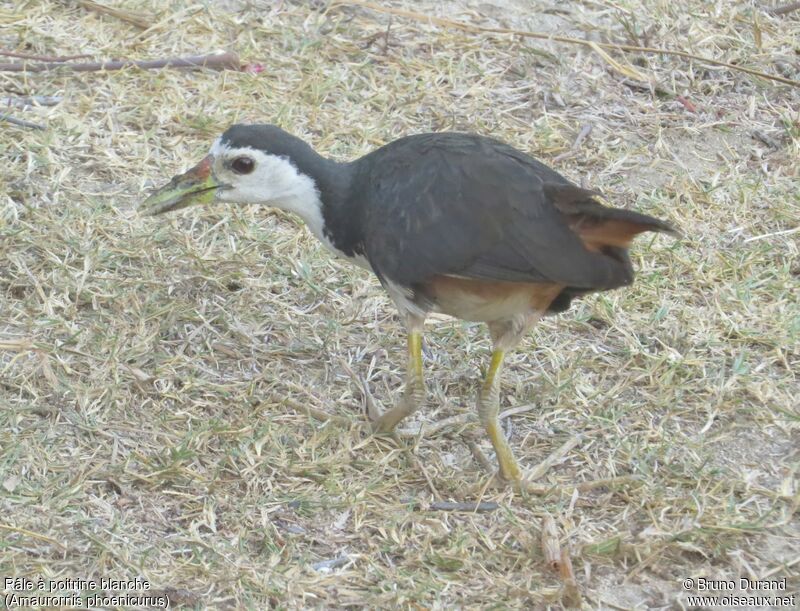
column 456, row 223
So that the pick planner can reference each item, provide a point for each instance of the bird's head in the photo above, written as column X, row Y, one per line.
column 249, row 164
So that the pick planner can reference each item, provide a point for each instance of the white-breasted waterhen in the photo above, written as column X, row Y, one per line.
column 449, row 222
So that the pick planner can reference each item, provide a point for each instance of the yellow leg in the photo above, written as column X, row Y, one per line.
column 414, row 390
column 488, row 406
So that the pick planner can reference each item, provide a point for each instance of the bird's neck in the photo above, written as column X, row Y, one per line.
column 320, row 196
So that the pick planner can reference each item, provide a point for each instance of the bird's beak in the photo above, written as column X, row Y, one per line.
column 196, row 186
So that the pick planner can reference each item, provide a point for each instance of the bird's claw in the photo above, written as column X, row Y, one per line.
column 374, row 409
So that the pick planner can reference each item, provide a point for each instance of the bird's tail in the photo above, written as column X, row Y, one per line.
column 599, row 226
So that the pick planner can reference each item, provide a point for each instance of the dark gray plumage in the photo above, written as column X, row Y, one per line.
column 472, row 206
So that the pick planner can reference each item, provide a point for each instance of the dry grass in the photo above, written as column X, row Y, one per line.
column 149, row 367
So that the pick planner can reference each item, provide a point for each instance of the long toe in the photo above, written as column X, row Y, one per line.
column 374, row 410
column 385, row 422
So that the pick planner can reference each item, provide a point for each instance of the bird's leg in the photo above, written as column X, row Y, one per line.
column 414, row 391
column 488, row 407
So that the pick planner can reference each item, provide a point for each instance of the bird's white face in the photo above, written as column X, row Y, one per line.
column 241, row 175
column 249, row 176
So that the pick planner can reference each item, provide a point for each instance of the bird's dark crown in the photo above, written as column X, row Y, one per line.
column 267, row 138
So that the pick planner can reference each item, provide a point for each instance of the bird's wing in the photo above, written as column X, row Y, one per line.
column 476, row 208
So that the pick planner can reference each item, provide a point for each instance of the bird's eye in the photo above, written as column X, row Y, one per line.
column 243, row 165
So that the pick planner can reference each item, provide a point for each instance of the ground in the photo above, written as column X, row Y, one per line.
column 157, row 375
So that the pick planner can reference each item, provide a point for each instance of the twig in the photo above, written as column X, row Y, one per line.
column 781, row 567
column 544, row 466
column 767, row 139
column 686, row 103
column 30, row 533
column 222, row 60
column 459, row 420
column 20, row 122
column 557, row 557
column 44, row 58
column 659, row 549
column 421, row 468
column 386, row 37
column 480, row 457
column 565, row 39
column 16, row 345
column 648, row 87
column 333, row 563
column 519, row 409
column 429, row 429
column 772, row 235
column 127, row 16
column 585, row 131
column 610, row 482
column 31, row 100
column 315, row 413
column 783, row 10
column 551, row 542
column 602, row 603
column 479, row 507
column 471, row 506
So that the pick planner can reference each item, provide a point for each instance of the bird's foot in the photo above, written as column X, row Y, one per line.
column 382, row 422
column 374, row 410
column 379, row 420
